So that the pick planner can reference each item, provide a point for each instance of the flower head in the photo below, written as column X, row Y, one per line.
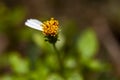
column 49, row 28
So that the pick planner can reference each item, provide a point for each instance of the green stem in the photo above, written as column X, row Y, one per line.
column 59, row 60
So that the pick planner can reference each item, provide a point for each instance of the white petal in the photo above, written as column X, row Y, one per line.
column 33, row 23
column 36, row 21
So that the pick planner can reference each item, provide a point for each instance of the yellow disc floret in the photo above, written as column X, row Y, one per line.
column 50, row 28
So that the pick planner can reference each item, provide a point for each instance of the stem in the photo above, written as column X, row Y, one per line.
column 59, row 60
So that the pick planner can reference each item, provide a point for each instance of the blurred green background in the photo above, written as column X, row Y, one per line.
column 88, row 42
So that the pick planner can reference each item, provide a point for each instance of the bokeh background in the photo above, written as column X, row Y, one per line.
column 88, row 42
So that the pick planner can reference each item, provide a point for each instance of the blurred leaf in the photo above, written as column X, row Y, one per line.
column 16, row 16
column 60, row 42
column 87, row 44
column 40, row 73
column 52, row 61
column 55, row 77
column 95, row 65
column 75, row 76
column 34, row 76
column 6, row 77
column 18, row 65
column 20, row 78
column 39, row 39
column 70, row 62
column 25, row 34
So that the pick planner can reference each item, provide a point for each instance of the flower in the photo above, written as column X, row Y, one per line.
column 49, row 28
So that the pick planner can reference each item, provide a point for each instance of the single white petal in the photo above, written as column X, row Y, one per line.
column 36, row 21
column 35, row 24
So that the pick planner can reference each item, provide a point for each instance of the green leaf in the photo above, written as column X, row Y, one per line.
column 40, row 73
column 51, row 61
column 55, row 77
column 39, row 39
column 18, row 65
column 75, row 76
column 95, row 65
column 87, row 44
column 70, row 63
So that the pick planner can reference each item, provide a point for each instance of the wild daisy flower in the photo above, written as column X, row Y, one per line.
column 49, row 28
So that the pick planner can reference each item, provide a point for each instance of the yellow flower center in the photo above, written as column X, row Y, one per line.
column 50, row 27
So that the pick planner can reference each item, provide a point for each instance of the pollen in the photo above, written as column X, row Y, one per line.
column 50, row 28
